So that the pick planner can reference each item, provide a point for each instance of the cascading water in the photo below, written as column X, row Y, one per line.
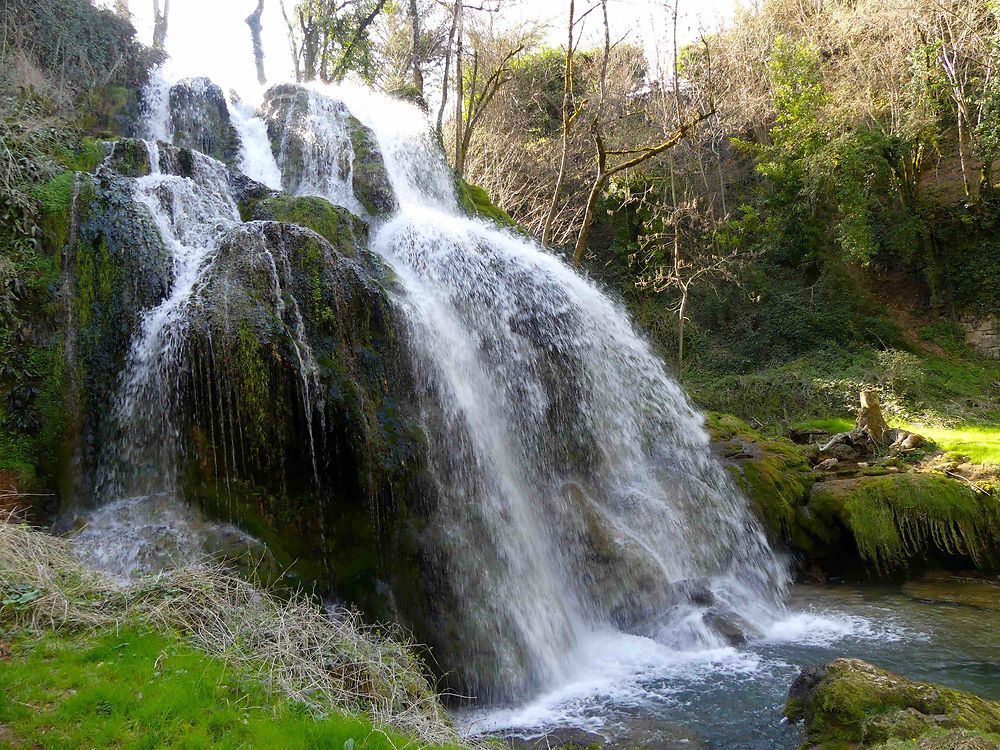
column 577, row 485
column 141, row 522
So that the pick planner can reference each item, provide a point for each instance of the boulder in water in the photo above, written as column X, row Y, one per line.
column 199, row 120
column 849, row 702
column 730, row 626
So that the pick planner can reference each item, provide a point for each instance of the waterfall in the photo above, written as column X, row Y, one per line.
column 575, row 492
column 556, row 436
column 256, row 158
column 141, row 521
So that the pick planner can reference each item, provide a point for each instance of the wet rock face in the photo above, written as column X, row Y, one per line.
column 199, row 120
column 357, row 167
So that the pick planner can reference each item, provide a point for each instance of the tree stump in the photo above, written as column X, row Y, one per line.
column 870, row 417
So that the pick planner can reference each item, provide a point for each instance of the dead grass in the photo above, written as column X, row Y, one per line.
column 328, row 661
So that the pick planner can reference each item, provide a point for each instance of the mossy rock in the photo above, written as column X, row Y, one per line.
column 898, row 519
column 129, row 157
column 336, row 225
column 774, row 474
column 475, row 201
column 370, row 180
column 850, row 703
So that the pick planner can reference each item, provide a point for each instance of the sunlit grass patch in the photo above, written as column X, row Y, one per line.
column 140, row 689
column 980, row 443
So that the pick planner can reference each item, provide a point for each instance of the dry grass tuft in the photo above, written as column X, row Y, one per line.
column 330, row 662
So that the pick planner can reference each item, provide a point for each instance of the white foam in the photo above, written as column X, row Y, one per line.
column 827, row 628
column 606, row 673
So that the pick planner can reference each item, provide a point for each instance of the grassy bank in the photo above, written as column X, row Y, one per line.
column 193, row 658
column 131, row 688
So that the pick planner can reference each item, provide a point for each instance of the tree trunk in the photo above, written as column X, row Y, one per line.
column 566, row 121
column 459, row 92
column 160, row 23
column 588, row 217
column 681, row 313
column 870, row 416
column 418, row 74
column 253, row 21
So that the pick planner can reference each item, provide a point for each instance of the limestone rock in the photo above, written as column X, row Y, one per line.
column 199, row 120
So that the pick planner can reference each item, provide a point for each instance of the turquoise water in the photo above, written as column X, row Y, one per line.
column 630, row 691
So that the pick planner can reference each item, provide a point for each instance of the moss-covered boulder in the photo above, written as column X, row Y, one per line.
column 199, row 120
column 301, row 424
column 850, row 703
column 875, row 522
column 775, row 476
column 898, row 520
column 336, row 225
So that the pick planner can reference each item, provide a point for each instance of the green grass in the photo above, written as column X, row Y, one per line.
column 832, row 425
column 980, row 444
column 135, row 689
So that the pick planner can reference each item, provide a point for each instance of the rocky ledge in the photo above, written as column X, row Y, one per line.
column 849, row 703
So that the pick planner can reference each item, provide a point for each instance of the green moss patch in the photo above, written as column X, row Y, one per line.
column 773, row 473
column 476, row 202
column 330, row 222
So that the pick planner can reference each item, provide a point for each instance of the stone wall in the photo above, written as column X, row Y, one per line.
column 983, row 335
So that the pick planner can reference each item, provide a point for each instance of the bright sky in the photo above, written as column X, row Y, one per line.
column 209, row 37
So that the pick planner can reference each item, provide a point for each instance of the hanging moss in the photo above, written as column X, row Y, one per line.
column 897, row 518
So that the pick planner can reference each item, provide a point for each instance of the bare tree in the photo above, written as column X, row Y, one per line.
column 160, row 23
column 687, row 264
column 253, row 21
column 488, row 72
column 611, row 161
column 456, row 12
column 569, row 115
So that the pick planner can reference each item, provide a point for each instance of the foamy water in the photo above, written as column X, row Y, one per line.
column 617, row 682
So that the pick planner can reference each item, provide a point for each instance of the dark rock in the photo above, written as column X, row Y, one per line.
column 730, row 626
column 199, row 120
column 696, row 591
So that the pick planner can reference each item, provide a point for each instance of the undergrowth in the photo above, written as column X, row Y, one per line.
column 328, row 663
